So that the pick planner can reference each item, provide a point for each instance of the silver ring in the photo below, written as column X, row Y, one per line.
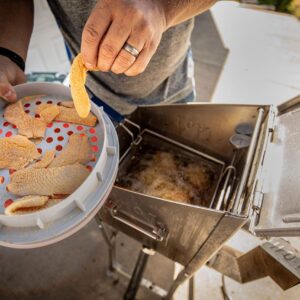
column 132, row 50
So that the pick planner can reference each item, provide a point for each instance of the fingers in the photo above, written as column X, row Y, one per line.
column 125, row 60
column 93, row 32
column 142, row 60
column 7, row 92
column 111, row 45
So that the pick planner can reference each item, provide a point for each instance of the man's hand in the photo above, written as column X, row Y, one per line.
column 111, row 24
column 10, row 74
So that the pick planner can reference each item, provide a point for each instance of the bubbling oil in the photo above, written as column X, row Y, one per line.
column 170, row 175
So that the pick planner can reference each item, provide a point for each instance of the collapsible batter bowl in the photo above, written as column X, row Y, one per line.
column 70, row 214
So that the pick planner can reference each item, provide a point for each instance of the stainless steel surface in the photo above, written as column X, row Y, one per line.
column 189, row 227
column 154, row 232
column 190, row 149
column 244, row 128
column 283, row 252
column 228, row 171
column 151, row 141
column 226, row 227
column 196, row 233
column 289, row 104
column 249, row 159
column 203, row 126
column 238, row 141
column 280, row 178
column 275, row 258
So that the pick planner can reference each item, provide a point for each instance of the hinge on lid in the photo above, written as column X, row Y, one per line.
column 258, row 197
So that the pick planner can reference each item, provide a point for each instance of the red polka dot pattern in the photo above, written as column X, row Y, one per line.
column 95, row 148
column 12, row 171
column 8, row 202
column 92, row 130
column 94, row 139
column 56, row 137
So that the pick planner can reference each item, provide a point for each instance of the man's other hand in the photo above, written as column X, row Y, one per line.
column 10, row 74
column 112, row 23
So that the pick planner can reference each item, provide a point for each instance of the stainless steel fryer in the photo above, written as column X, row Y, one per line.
column 261, row 188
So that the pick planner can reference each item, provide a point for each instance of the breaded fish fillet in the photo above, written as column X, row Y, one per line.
column 17, row 152
column 45, row 161
column 67, row 114
column 78, row 150
column 49, row 113
column 27, row 125
column 47, row 182
column 70, row 115
column 26, row 204
column 69, row 104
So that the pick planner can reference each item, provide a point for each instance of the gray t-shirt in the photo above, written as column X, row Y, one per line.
column 165, row 78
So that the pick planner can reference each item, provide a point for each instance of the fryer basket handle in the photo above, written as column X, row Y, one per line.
column 154, row 232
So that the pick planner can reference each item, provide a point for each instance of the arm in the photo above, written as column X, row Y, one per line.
column 178, row 11
column 140, row 23
column 16, row 27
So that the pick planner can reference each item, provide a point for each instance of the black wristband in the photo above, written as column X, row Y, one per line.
column 17, row 59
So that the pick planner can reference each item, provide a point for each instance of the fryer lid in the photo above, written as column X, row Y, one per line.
column 279, row 183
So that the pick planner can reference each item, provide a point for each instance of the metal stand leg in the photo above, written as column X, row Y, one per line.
column 180, row 279
column 110, row 240
column 137, row 274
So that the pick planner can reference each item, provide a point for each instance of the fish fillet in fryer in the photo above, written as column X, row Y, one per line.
column 26, row 204
column 17, row 152
column 78, row 91
column 45, row 161
column 27, row 125
column 78, row 150
column 47, row 182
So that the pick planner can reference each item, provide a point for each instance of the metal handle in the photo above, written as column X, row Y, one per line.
column 157, row 234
